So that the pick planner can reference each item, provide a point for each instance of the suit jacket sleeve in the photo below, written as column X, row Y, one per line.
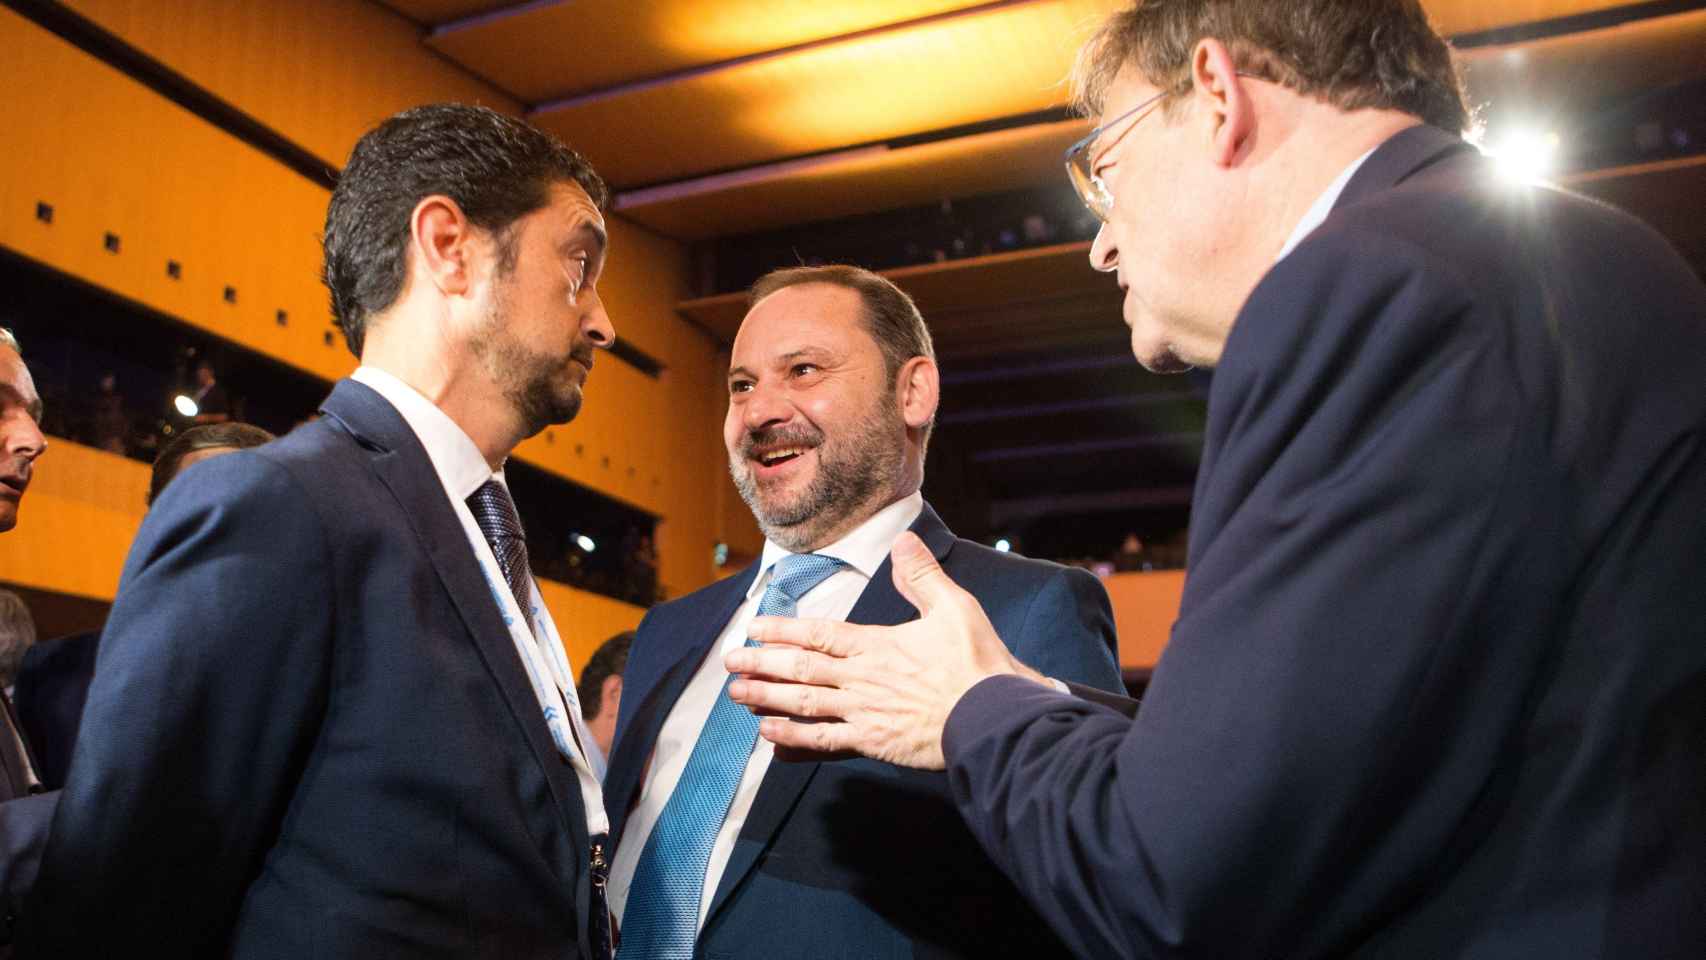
column 1286, row 777
column 1125, row 705
column 212, row 675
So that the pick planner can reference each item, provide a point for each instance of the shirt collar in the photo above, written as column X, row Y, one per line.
column 455, row 458
column 864, row 549
column 1317, row 214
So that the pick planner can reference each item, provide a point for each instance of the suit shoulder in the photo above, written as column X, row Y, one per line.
column 1011, row 570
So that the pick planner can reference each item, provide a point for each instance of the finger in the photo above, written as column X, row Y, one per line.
column 813, row 738
column 791, row 664
column 919, row 578
column 831, row 637
column 788, row 699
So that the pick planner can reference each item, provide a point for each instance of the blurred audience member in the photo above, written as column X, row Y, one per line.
column 111, row 426
column 17, row 635
column 1130, row 556
column 600, row 691
column 212, row 404
column 200, row 443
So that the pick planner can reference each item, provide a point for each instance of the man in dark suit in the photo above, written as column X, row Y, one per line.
column 25, row 810
column 722, row 853
column 332, row 717
column 1438, row 683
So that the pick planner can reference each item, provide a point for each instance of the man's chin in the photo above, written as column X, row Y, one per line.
column 1157, row 357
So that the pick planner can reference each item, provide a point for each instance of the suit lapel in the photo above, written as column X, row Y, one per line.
column 881, row 605
column 631, row 754
column 402, row 465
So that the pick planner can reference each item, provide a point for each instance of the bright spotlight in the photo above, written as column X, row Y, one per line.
column 185, row 405
column 1004, row 545
column 1525, row 156
column 585, row 542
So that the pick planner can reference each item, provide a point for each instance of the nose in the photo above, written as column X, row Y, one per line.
column 596, row 325
column 1104, row 254
column 24, row 437
column 765, row 407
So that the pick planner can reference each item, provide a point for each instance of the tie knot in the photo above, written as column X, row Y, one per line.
column 797, row 573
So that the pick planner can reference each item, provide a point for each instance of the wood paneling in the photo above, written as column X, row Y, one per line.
column 832, row 187
column 1145, row 606
column 320, row 72
column 972, row 287
column 1006, row 62
column 110, row 155
column 544, row 51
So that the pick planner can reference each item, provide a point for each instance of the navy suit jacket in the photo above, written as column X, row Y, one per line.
column 1437, row 688
column 857, row 858
column 53, row 683
column 309, row 734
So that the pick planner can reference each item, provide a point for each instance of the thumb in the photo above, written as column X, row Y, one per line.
column 918, row 576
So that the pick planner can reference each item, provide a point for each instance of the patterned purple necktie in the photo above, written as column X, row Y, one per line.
column 495, row 512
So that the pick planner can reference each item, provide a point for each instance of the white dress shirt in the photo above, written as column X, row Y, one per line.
column 461, row 470
column 1317, row 214
column 863, row 550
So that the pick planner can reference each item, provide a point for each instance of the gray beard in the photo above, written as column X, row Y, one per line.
column 853, row 476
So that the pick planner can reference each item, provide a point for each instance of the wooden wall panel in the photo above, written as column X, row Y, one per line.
column 1145, row 606
column 110, row 155
column 320, row 72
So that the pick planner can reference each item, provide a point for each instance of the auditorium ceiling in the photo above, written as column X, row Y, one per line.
column 717, row 120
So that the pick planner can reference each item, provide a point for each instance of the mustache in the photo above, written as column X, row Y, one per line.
column 779, row 437
column 584, row 355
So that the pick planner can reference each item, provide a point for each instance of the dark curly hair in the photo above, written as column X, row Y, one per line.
column 497, row 169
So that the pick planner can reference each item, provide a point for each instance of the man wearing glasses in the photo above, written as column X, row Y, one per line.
column 1438, row 683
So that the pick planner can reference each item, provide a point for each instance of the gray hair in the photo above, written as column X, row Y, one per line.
column 17, row 633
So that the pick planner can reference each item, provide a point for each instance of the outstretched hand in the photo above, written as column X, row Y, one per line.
column 884, row 692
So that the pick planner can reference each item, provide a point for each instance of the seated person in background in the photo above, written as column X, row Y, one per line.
column 832, row 394
column 601, row 694
column 53, row 681
column 213, row 404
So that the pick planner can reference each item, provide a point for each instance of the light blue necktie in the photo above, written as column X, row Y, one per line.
column 662, row 918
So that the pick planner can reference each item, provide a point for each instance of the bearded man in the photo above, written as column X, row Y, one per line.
column 332, row 716
column 832, row 393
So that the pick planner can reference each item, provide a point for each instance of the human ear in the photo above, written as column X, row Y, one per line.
column 1222, row 98
column 439, row 244
column 920, row 389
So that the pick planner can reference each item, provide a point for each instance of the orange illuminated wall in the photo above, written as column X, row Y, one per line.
column 1145, row 606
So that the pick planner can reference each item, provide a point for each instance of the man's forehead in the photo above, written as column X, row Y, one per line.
column 572, row 200
column 15, row 377
column 795, row 320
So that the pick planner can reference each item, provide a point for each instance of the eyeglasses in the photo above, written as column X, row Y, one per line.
column 1081, row 157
